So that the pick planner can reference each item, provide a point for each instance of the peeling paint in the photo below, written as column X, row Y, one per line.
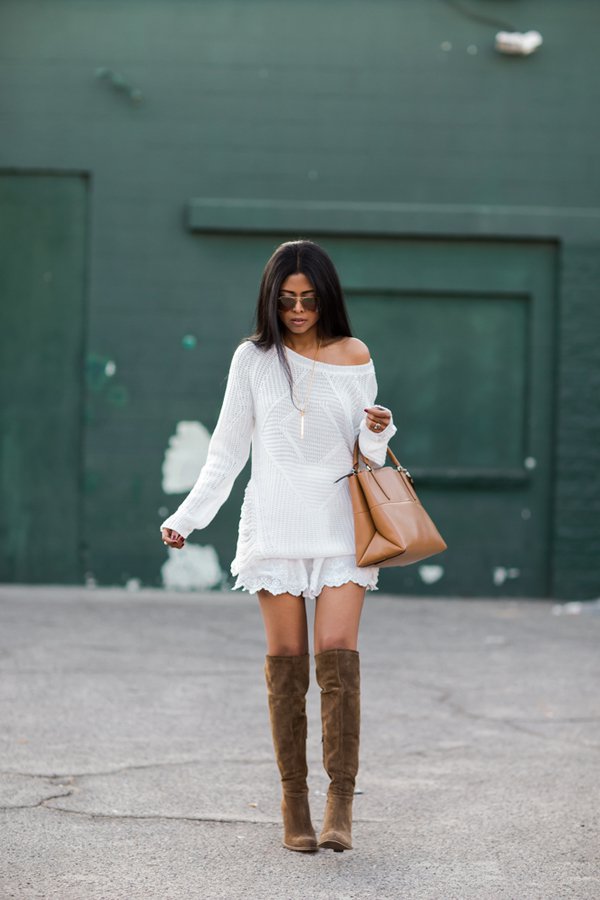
column 501, row 574
column 431, row 573
column 99, row 370
column 576, row 607
column 192, row 568
column 184, row 457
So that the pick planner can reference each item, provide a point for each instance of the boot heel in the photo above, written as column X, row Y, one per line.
column 336, row 833
column 297, row 827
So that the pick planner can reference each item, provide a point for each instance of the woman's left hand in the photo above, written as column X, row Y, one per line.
column 377, row 415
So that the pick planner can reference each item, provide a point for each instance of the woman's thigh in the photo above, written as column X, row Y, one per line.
column 337, row 617
column 286, row 628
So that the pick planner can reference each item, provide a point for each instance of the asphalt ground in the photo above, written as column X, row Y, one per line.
column 136, row 755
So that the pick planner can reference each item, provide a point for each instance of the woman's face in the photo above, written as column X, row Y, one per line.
column 297, row 320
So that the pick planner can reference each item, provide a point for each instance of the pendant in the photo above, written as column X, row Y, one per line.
column 302, row 423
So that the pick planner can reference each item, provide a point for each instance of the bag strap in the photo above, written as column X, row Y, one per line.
column 366, row 461
column 358, row 451
column 370, row 468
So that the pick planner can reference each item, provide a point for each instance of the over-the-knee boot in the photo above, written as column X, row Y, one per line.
column 287, row 680
column 338, row 674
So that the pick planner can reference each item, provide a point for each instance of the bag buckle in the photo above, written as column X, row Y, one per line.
column 403, row 469
column 353, row 472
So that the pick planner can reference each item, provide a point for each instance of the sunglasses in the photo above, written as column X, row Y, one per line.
column 309, row 304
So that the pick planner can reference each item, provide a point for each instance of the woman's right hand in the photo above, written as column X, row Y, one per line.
column 172, row 538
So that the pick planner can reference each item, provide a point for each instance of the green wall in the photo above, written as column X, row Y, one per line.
column 348, row 122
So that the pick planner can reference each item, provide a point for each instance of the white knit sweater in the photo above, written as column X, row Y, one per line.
column 293, row 506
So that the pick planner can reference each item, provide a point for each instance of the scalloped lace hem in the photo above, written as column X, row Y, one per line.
column 306, row 577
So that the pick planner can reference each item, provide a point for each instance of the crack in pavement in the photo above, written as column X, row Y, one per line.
column 517, row 724
column 445, row 696
column 138, row 766
column 36, row 805
column 219, row 820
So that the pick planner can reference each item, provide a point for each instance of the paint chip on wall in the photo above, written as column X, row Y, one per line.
column 192, row 568
column 184, row 457
column 430, row 574
column 501, row 574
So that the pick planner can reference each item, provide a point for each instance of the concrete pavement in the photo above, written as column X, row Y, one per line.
column 136, row 757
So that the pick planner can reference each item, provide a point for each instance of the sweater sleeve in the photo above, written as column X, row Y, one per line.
column 372, row 444
column 228, row 451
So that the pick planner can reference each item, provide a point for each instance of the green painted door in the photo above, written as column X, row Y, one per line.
column 43, row 222
column 462, row 335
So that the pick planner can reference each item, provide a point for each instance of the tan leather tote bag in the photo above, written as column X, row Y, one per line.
column 391, row 526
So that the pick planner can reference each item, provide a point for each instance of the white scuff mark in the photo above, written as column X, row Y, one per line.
column 518, row 43
column 133, row 584
column 90, row 581
column 576, row 607
column 431, row 573
column 184, row 457
column 110, row 368
column 530, row 462
column 501, row 573
column 163, row 512
column 525, row 513
column 192, row 568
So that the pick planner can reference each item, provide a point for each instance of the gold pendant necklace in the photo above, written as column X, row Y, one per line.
column 303, row 410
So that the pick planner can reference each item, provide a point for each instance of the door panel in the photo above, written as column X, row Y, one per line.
column 43, row 221
column 461, row 334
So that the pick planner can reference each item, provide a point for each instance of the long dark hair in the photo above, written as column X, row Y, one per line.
column 309, row 259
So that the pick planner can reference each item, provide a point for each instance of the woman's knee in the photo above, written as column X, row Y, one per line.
column 289, row 648
column 335, row 641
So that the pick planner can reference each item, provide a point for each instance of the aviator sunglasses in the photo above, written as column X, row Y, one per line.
column 309, row 304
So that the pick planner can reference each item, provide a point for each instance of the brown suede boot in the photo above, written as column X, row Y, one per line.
column 338, row 674
column 287, row 680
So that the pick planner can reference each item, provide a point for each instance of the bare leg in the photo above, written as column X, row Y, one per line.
column 286, row 628
column 337, row 617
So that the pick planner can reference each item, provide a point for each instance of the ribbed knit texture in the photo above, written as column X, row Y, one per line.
column 292, row 508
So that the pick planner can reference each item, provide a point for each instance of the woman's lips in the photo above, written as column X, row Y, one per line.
column 298, row 321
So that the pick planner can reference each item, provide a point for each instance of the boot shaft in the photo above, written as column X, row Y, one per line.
column 338, row 675
column 287, row 679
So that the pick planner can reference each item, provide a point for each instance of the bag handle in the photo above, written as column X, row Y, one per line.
column 355, row 456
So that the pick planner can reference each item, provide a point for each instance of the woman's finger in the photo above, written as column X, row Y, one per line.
column 378, row 413
column 378, row 418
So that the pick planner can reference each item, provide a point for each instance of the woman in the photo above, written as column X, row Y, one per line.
column 299, row 392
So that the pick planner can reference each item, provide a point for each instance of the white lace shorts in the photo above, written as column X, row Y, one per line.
column 305, row 576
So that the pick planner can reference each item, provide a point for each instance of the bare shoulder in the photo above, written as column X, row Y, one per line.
column 356, row 351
